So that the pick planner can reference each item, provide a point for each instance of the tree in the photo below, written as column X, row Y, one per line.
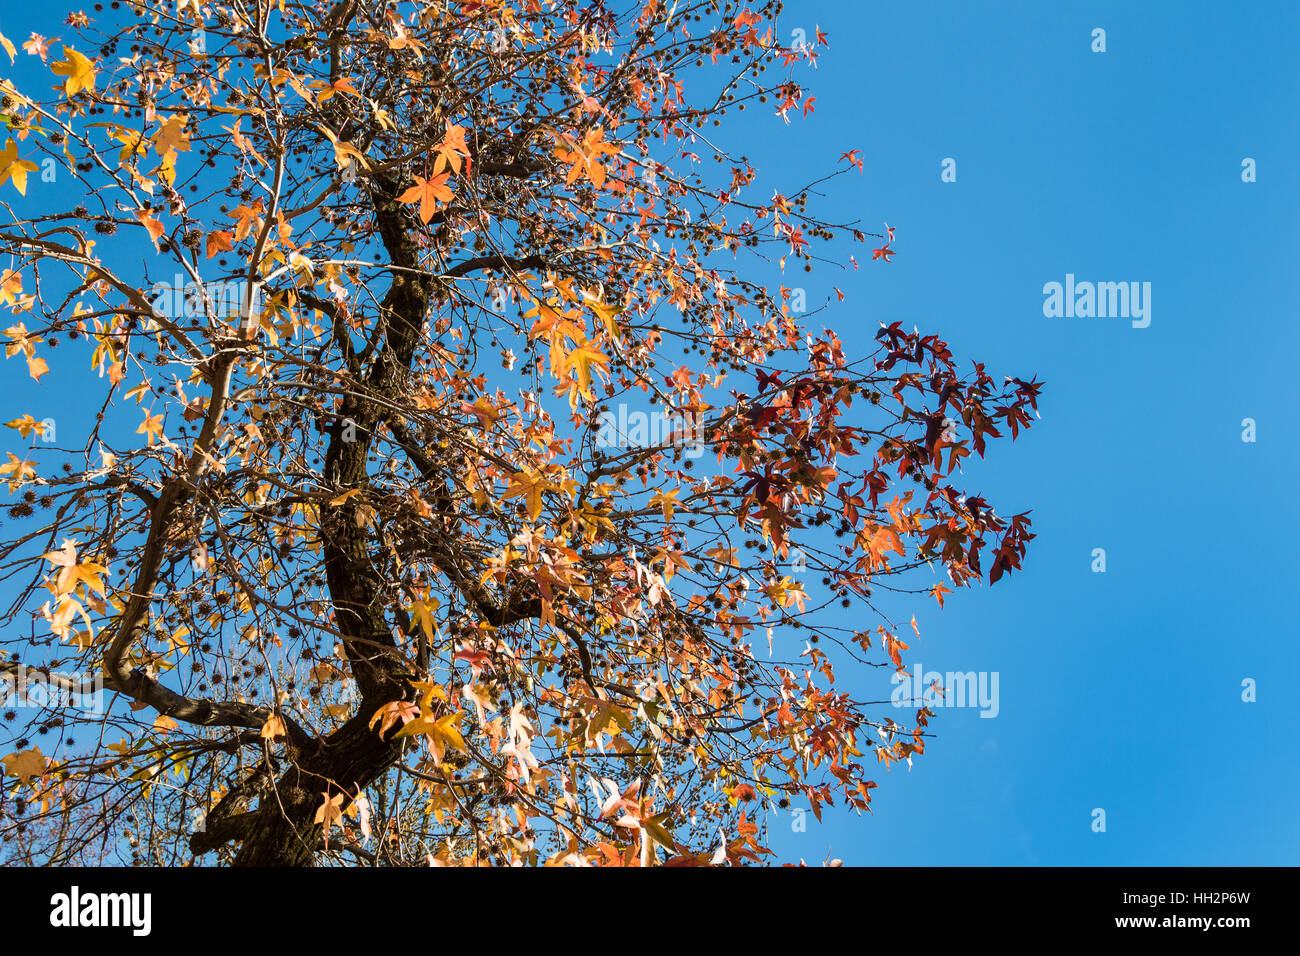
column 378, row 540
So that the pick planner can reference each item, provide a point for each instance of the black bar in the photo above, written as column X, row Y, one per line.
column 816, row 904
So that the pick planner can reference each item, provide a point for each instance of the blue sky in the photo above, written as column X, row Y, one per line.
column 1119, row 690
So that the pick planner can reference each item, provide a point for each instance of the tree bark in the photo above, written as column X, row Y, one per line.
column 284, row 830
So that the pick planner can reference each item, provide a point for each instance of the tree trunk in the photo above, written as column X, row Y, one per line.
column 284, row 831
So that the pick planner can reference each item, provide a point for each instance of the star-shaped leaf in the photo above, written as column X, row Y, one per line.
column 428, row 193
column 13, row 168
column 78, row 69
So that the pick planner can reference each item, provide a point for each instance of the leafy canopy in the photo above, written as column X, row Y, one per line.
column 348, row 528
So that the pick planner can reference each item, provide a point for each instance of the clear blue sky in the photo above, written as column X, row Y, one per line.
column 1121, row 690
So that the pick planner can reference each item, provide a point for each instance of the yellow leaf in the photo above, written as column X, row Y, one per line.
column 655, row 829
column 666, row 500
column 164, row 724
column 445, row 727
column 172, row 137
column 581, row 360
column 344, row 152
column 25, row 764
column 530, row 484
column 74, row 572
column 20, row 470
column 11, row 167
column 330, row 812
column 423, row 608
column 26, row 425
column 151, row 426
column 607, row 315
column 80, row 72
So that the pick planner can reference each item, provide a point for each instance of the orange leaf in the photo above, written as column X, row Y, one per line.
column 218, row 242
column 155, row 227
column 428, row 192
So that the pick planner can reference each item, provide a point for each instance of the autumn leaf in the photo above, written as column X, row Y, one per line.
column 218, row 241
column 25, row 764
column 345, row 497
column 13, row 168
column 786, row 592
column 20, row 470
column 152, row 427
column 327, row 90
column 172, row 137
column 403, row 42
column 74, row 572
column 581, row 360
column 345, row 154
column 530, row 485
column 440, row 733
column 391, row 713
column 423, row 607
column 585, row 157
column 483, row 410
column 428, row 193
column 656, row 828
column 80, row 71
column 246, row 217
column 892, row 647
column 11, row 289
column 163, row 724
column 360, row 809
column 154, row 227
column 26, row 425
column 607, row 315
column 722, row 557
column 38, row 45
column 330, row 813
column 666, row 500
column 451, row 149
column 885, row 539
column 273, row 728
